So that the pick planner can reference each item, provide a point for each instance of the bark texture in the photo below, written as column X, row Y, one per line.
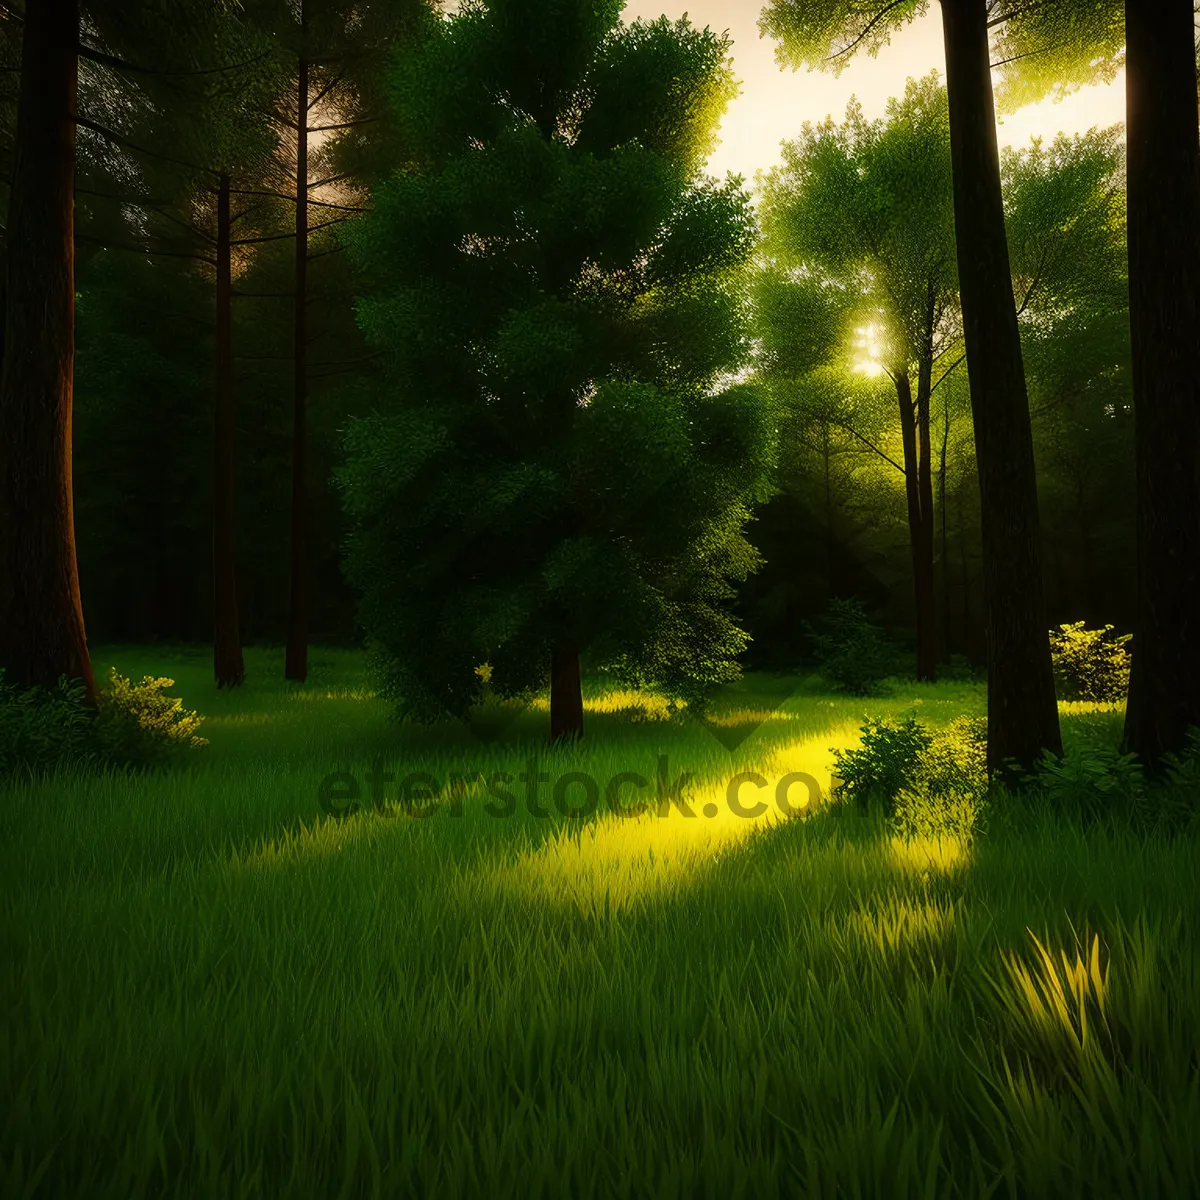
column 41, row 615
column 566, row 695
column 1022, row 711
column 296, row 658
column 228, row 666
column 1164, row 318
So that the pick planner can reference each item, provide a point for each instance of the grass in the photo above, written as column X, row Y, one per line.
column 216, row 989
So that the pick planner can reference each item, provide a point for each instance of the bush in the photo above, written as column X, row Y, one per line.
column 1175, row 802
column 138, row 726
column 1090, row 664
column 133, row 725
column 852, row 652
column 931, row 782
column 1094, row 781
column 44, row 727
column 884, row 763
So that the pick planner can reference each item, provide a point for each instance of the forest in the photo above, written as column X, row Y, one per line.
column 529, row 667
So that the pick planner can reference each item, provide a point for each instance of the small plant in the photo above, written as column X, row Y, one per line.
column 852, row 651
column 884, row 763
column 1173, row 802
column 947, row 791
column 1090, row 664
column 1091, row 780
column 42, row 727
column 138, row 725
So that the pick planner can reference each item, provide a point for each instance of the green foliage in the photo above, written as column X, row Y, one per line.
column 138, row 725
column 931, row 781
column 827, row 33
column 1090, row 664
column 562, row 456
column 884, row 763
column 133, row 725
column 41, row 728
column 1052, row 50
column 852, row 651
column 1092, row 780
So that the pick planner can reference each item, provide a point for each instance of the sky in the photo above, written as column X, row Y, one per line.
column 775, row 103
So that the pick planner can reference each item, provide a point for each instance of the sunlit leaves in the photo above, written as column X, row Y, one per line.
column 827, row 33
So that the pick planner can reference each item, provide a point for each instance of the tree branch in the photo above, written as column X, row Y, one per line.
column 85, row 123
column 870, row 25
column 279, row 237
column 961, row 358
column 106, row 243
column 121, row 64
column 343, row 125
column 869, row 444
column 323, row 92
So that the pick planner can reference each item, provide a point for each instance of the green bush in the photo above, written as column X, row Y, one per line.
column 947, row 791
column 137, row 725
column 44, row 727
column 133, row 725
column 931, row 782
column 1090, row 779
column 1090, row 664
column 1174, row 802
column 852, row 652
column 884, row 763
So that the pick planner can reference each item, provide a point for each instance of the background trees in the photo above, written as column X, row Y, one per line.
column 1022, row 716
column 219, row 356
column 562, row 468
column 866, row 209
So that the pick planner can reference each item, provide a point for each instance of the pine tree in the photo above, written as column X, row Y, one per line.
column 562, row 470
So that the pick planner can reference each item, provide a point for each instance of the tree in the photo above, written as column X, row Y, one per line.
column 1077, row 43
column 41, row 615
column 1164, row 313
column 1066, row 225
column 40, row 607
column 332, row 54
column 1022, row 711
column 563, row 468
column 868, row 206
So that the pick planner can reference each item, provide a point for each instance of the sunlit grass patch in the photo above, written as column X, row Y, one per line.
column 923, row 856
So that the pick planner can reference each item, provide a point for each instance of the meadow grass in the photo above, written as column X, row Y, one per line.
column 214, row 988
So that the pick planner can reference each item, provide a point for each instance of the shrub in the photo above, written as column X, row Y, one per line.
column 931, row 782
column 1092, row 780
column 852, row 652
column 1174, row 803
column 42, row 727
column 886, row 761
column 946, row 794
column 133, row 725
column 1090, row 664
column 137, row 725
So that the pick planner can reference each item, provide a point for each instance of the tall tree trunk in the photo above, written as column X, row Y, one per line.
column 1164, row 318
column 927, row 639
column 920, row 520
column 41, row 615
column 228, row 667
column 566, row 695
column 296, row 662
column 945, row 549
column 831, row 551
column 1022, row 711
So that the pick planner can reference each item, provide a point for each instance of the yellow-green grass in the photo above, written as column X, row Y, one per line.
column 213, row 988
